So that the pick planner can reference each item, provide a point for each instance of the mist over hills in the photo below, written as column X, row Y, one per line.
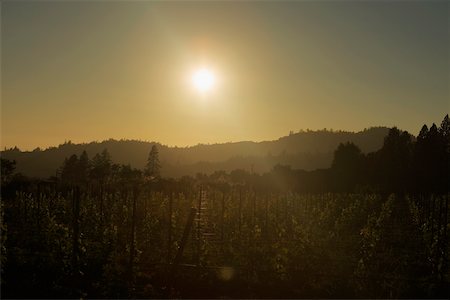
column 303, row 150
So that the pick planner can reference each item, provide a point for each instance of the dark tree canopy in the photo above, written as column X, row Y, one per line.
column 153, row 167
column 7, row 169
column 101, row 166
column 347, row 166
column 395, row 158
column 70, row 170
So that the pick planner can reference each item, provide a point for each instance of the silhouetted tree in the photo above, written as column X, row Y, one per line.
column 128, row 175
column 84, row 160
column 84, row 167
column 70, row 170
column 7, row 169
column 153, row 167
column 101, row 166
column 421, row 161
column 75, row 171
column 347, row 166
column 436, row 151
column 395, row 160
column 444, row 131
column 431, row 159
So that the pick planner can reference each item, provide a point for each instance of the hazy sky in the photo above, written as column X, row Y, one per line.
column 85, row 71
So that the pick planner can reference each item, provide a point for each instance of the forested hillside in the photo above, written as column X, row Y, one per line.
column 307, row 150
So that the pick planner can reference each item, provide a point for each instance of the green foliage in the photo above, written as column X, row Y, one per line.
column 283, row 245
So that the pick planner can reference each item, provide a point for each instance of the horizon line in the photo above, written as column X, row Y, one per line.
column 307, row 130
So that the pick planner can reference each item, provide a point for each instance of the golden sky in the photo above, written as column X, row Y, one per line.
column 85, row 71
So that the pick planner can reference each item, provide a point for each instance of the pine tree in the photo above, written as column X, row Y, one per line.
column 84, row 167
column 101, row 166
column 423, row 133
column 153, row 167
column 69, row 172
column 421, row 162
column 444, row 130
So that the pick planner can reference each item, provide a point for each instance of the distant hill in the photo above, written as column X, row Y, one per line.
column 303, row 150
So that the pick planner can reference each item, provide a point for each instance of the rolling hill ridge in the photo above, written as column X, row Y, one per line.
column 303, row 150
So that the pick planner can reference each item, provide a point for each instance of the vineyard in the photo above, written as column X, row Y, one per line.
column 218, row 240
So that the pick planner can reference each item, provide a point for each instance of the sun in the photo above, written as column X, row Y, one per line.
column 203, row 80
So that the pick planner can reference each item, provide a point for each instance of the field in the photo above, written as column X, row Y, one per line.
column 203, row 239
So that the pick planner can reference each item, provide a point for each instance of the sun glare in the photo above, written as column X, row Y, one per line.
column 203, row 80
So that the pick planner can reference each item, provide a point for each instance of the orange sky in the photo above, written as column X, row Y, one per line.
column 85, row 71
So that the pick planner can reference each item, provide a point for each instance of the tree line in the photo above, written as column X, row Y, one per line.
column 403, row 164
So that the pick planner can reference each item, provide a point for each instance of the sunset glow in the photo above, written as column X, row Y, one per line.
column 195, row 73
column 224, row 149
column 203, row 80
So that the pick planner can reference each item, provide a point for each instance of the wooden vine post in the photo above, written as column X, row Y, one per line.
column 132, row 235
column 169, row 234
column 179, row 255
